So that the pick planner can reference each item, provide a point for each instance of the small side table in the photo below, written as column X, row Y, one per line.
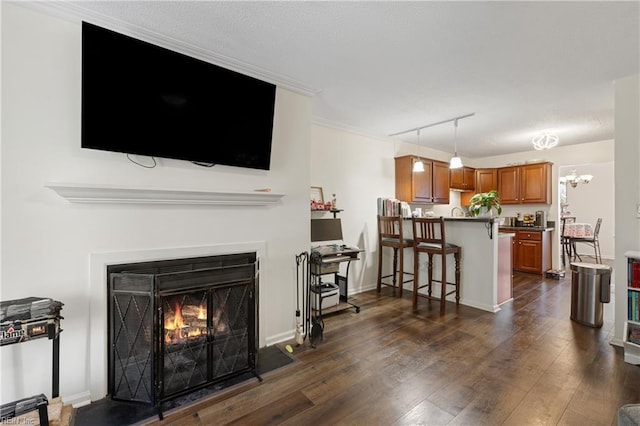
column 26, row 319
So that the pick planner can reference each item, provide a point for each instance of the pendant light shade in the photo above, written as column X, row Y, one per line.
column 418, row 166
column 456, row 162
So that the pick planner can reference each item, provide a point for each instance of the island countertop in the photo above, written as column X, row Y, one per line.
column 527, row 228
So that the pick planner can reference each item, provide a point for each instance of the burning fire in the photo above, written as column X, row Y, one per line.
column 176, row 328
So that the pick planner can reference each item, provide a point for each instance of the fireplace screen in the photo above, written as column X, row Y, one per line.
column 185, row 341
column 174, row 332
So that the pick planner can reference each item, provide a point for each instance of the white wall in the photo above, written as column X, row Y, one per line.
column 358, row 169
column 627, row 190
column 47, row 241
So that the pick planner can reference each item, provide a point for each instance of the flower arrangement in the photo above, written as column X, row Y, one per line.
column 485, row 203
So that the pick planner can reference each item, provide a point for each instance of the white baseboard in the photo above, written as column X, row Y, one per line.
column 282, row 337
column 616, row 342
column 78, row 400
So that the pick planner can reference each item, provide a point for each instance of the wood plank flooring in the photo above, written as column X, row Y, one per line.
column 527, row 364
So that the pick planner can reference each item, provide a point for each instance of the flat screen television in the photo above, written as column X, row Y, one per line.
column 138, row 98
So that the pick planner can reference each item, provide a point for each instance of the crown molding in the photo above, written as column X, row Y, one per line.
column 75, row 12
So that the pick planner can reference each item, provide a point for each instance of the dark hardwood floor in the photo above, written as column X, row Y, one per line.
column 526, row 364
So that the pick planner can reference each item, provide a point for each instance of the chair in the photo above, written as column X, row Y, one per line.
column 592, row 241
column 565, row 242
column 390, row 234
column 429, row 238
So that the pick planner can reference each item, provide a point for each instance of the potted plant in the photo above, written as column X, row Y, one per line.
column 485, row 203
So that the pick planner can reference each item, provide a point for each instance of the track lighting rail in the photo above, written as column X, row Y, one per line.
column 415, row 129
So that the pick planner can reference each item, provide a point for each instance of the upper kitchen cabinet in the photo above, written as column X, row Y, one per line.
column 463, row 179
column 526, row 184
column 486, row 180
column 428, row 187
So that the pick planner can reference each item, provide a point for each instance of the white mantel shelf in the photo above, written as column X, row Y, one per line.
column 103, row 194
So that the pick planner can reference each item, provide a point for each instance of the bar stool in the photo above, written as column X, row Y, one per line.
column 429, row 238
column 390, row 235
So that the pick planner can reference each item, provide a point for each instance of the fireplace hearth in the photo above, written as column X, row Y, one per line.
column 176, row 326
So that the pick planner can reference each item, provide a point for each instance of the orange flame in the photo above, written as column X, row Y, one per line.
column 176, row 328
column 176, row 322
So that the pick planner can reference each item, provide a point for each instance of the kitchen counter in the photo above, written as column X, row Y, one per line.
column 470, row 219
column 526, row 228
column 478, row 238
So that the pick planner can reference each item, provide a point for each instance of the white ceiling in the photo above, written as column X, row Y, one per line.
column 379, row 68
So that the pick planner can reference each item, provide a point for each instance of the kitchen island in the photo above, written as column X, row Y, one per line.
column 479, row 275
column 478, row 238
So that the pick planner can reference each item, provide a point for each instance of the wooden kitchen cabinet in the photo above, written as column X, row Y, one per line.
column 463, row 179
column 532, row 251
column 428, row 187
column 486, row 180
column 526, row 184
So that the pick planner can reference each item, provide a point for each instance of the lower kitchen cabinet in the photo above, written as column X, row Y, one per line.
column 532, row 251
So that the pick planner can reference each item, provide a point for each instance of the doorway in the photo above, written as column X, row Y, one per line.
column 587, row 202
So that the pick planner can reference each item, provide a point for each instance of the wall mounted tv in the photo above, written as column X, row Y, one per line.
column 138, row 98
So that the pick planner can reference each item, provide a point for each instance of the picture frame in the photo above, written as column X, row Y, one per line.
column 317, row 195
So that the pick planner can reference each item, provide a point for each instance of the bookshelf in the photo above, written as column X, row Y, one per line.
column 632, row 326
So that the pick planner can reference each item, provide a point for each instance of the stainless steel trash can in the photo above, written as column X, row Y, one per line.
column 590, row 288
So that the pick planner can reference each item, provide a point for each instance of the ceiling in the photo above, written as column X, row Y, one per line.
column 379, row 68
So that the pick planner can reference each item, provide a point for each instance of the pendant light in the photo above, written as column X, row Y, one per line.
column 455, row 162
column 418, row 166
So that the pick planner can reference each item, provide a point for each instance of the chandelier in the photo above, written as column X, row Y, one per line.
column 544, row 141
column 573, row 179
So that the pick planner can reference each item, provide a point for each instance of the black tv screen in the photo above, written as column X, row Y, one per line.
column 143, row 99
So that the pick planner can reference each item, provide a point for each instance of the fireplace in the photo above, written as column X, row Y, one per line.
column 179, row 325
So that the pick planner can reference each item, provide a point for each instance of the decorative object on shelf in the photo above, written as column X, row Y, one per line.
column 455, row 162
column 418, row 166
column 573, row 179
column 544, row 141
column 317, row 198
column 334, row 202
column 485, row 203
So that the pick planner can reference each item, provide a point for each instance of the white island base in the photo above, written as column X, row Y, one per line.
column 478, row 238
